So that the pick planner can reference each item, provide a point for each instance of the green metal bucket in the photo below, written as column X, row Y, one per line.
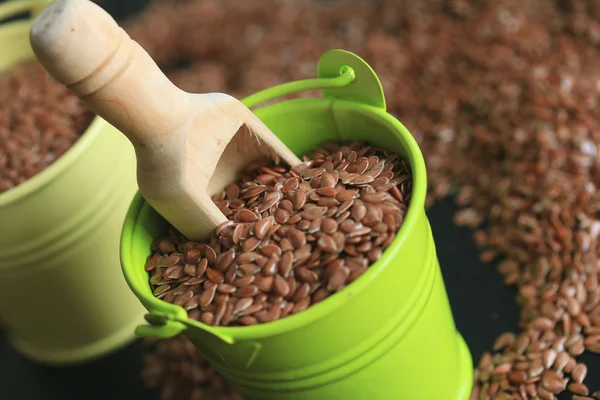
column 63, row 299
column 388, row 335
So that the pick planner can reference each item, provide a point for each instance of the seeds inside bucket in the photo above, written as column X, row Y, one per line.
column 39, row 120
column 291, row 240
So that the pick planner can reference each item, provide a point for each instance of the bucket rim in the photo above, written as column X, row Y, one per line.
column 175, row 318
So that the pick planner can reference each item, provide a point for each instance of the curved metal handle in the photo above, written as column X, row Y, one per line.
column 346, row 77
column 342, row 75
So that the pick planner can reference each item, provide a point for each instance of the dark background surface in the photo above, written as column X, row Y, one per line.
column 483, row 308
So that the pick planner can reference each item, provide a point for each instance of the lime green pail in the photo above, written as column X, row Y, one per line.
column 63, row 298
column 389, row 335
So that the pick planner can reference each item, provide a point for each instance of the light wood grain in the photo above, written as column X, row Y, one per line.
column 188, row 146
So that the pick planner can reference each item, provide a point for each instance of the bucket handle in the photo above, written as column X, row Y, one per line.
column 341, row 75
column 15, row 7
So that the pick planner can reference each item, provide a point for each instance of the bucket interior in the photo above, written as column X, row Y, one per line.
column 302, row 125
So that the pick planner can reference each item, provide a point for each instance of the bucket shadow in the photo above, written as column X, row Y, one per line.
column 483, row 307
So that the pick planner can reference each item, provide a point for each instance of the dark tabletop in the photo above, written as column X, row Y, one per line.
column 483, row 308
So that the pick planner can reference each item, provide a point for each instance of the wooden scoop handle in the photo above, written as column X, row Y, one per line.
column 83, row 48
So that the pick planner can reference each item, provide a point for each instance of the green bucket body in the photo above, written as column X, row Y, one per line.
column 63, row 298
column 388, row 335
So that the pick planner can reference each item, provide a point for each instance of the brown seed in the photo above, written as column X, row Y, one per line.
column 573, row 306
column 262, row 227
column 313, row 213
column 301, row 305
column 248, row 269
column 250, row 244
column 521, row 343
column 211, row 255
column 315, row 226
column 343, row 209
column 549, row 356
column 247, row 291
column 270, row 268
column 220, row 313
column 327, row 244
column 328, row 202
column 375, row 254
column 246, row 280
column 226, row 288
column 248, row 320
column 359, row 231
column 280, row 286
column 208, row 295
column 542, row 323
column 504, row 340
column 329, row 226
column 502, row 369
column 174, row 272
column 168, row 261
column 242, row 304
column 358, row 211
column 237, row 233
column 301, row 292
column 578, row 388
column 312, row 173
column 339, row 239
column 285, row 264
column 306, row 275
column 161, row 290
column 320, row 295
column 570, row 366
column 247, row 258
column 215, row 276
column 245, row 215
column 166, row 246
column 346, row 195
column 271, row 250
column 190, row 269
column 373, row 198
column 208, row 318
column 535, row 368
column 264, row 283
column 232, row 191
column 290, row 185
column 545, row 394
column 297, row 238
column 299, row 199
column 268, row 315
column 362, row 180
column 561, row 360
column 254, row 308
column 338, row 279
column 552, row 382
column 151, row 262
column 579, row 373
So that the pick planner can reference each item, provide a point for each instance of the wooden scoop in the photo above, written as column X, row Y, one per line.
column 188, row 146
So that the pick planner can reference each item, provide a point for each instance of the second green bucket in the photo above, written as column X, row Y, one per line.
column 390, row 335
